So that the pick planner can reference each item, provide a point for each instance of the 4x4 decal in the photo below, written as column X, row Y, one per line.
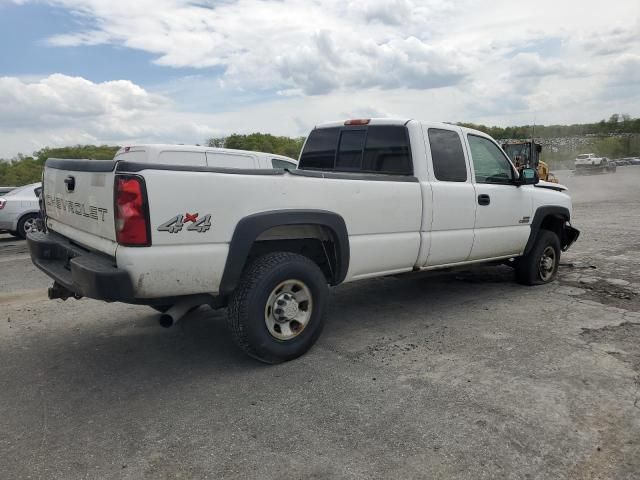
column 177, row 223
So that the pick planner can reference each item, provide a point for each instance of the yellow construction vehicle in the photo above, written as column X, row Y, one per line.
column 527, row 155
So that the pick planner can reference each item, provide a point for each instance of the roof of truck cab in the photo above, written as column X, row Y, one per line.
column 162, row 147
column 403, row 121
column 372, row 121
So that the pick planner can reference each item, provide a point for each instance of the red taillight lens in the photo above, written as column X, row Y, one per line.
column 3, row 202
column 131, row 212
column 358, row 121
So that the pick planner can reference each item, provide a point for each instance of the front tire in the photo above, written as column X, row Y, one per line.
column 26, row 223
column 277, row 311
column 540, row 265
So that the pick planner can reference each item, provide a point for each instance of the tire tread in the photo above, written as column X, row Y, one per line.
column 526, row 270
column 238, row 304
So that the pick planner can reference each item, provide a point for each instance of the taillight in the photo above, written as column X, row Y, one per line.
column 3, row 202
column 131, row 212
column 358, row 121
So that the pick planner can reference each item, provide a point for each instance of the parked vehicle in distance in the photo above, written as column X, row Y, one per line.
column 19, row 209
column 198, row 156
column 592, row 163
column 370, row 198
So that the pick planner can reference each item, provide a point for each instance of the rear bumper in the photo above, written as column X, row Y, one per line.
column 82, row 272
column 585, row 167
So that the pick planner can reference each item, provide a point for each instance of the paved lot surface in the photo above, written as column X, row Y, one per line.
column 461, row 375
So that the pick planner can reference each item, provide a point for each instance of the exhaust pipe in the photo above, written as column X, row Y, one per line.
column 58, row 291
column 180, row 309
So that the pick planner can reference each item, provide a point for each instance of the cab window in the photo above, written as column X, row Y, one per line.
column 277, row 163
column 489, row 163
column 447, row 156
column 380, row 149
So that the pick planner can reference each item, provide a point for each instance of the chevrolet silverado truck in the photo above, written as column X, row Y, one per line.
column 369, row 198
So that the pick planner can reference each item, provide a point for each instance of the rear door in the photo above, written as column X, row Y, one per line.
column 78, row 200
column 503, row 212
column 453, row 197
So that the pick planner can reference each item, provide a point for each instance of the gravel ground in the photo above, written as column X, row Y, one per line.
column 459, row 375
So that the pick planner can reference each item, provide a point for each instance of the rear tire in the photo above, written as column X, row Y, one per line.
column 276, row 312
column 540, row 265
column 25, row 224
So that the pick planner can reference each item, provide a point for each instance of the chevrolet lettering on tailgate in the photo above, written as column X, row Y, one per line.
column 76, row 208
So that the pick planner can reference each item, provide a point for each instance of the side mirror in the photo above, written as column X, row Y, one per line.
column 528, row 176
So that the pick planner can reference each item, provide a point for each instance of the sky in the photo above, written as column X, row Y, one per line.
column 181, row 71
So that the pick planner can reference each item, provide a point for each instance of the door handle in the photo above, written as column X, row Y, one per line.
column 484, row 199
column 70, row 182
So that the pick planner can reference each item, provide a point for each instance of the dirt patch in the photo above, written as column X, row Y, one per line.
column 608, row 294
column 626, row 337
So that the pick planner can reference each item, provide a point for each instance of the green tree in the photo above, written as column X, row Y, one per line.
column 260, row 142
column 22, row 170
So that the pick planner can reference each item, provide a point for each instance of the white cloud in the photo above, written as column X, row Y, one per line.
column 494, row 61
column 307, row 46
column 59, row 98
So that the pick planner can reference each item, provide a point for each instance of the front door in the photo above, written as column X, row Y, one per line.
column 450, row 230
column 503, row 213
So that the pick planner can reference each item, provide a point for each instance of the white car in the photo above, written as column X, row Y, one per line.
column 19, row 209
column 369, row 198
column 592, row 163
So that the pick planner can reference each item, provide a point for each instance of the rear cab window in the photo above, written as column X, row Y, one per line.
column 382, row 149
column 278, row 163
column 447, row 155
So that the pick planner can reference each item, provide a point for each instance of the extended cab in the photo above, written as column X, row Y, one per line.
column 369, row 198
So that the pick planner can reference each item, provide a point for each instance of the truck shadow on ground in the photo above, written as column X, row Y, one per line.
column 134, row 350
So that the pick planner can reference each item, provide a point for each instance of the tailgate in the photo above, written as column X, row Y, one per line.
column 78, row 200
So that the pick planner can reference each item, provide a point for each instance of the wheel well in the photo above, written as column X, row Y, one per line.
column 316, row 242
column 554, row 223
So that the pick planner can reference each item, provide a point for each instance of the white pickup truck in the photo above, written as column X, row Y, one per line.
column 369, row 198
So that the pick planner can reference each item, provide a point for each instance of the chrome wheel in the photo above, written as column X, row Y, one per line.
column 547, row 264
column 29, row 225
column 288, row 309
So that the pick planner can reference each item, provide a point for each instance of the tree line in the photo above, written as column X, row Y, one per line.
column 22, row 169
column 618, row 136
column 617, row 124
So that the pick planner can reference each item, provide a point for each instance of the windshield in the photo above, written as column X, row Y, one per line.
column 582, row 157
column 519, row 153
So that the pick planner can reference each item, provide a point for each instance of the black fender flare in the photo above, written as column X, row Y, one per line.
column 538, row 217
column 249, row 229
